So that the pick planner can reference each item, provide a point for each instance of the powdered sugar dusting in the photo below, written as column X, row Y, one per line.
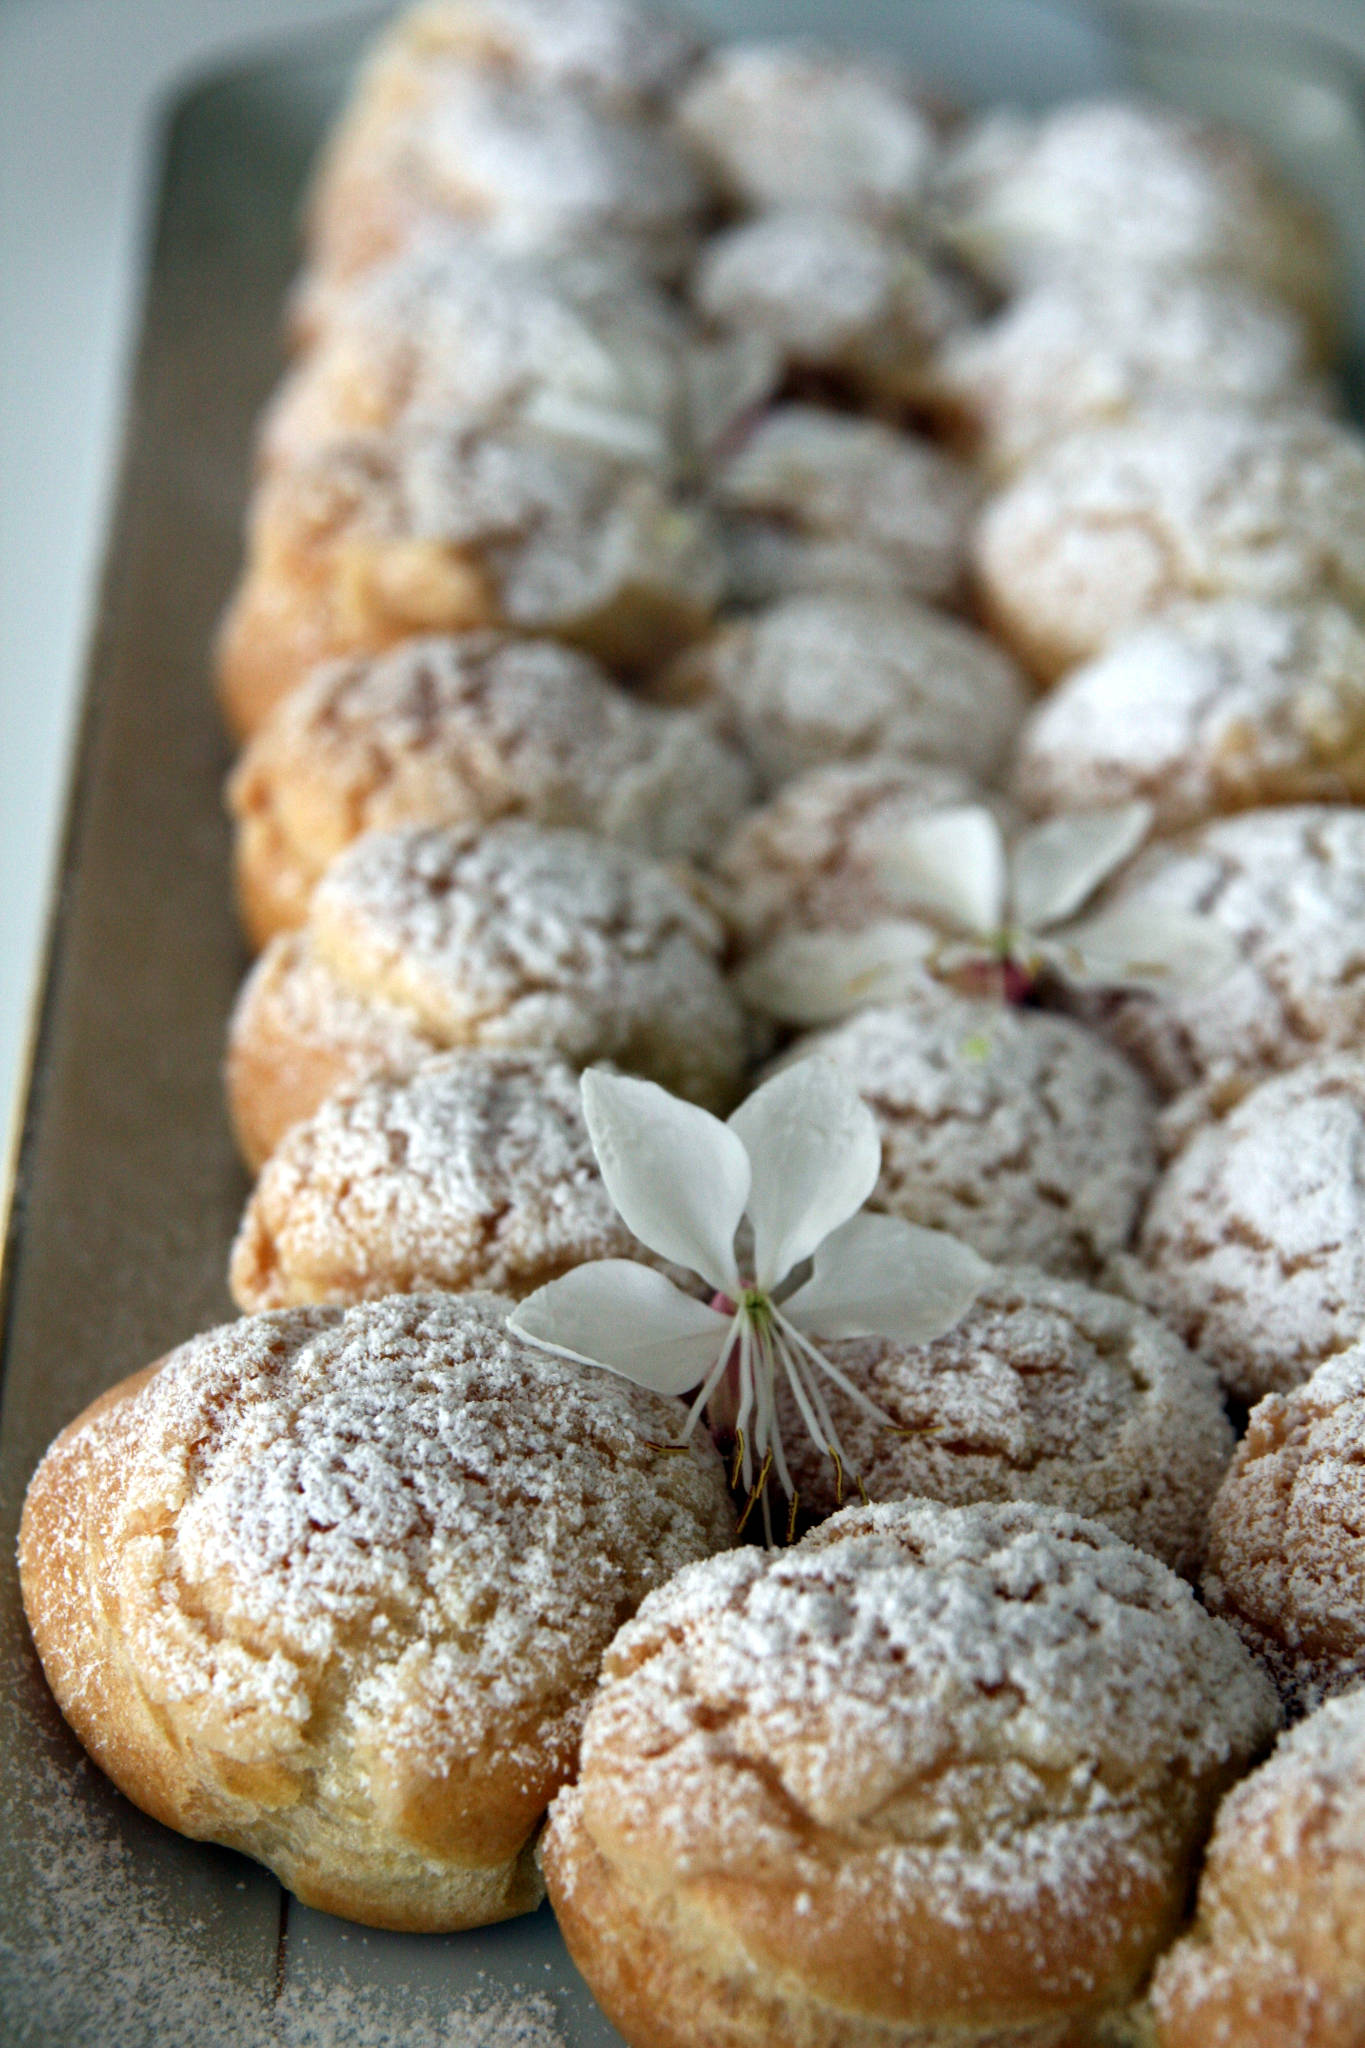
column 811, row 856
column 1016, row 1130
column 452, row 327
column 782, row 123
column 1112, row 524
column 833, row 293
column 1212, row 707
column 1045, row 1391
column 473, row 728
column 535, row 169
column 1253, row 1244
column 519, row 936
column 1287, row 1552
column 1275, row 1946
column 1288, row 885
column 612, row 49
column 966, row 1716
column 1131, row 183
column 1098, row 345
column 475, row 1172
column 835, row 676
column 456, row 524
column 821, row 500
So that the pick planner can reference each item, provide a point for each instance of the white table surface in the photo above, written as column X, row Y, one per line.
column 80, row 82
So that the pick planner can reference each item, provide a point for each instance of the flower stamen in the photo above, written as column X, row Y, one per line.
column 713, row 1378
column 809, row 1399
column 758, row 1491
column 840, row 1379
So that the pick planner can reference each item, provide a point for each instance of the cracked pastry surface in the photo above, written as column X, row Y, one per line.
column 381, row 536
column 1113, row 524
column 1276, row 1958
column 1131, row 183
column 835, row 295
column 1019, row 1131
column 1047, row 1391
column 1253, row 1243
column 838, row 676
column 1210, row 708
column 1288, row 887
column 331, row 1586
column 781, row 124
column 809, row 857
column 578, row 348
column 534, row 169
column 518, row 937
column 933, row 1775
column 467, row 730
column 818, row 501
column 1286, row 1563
column 1096, row 346
column 476, row 1171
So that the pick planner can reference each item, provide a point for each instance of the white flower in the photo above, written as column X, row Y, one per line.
column 1005, row 916
column 794, row 1165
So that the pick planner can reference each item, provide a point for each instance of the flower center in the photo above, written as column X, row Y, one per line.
column 755, row 1305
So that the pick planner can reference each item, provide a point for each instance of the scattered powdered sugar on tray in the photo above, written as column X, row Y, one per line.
column 109, row 1958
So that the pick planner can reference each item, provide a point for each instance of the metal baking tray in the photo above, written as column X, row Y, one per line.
column 114, row 1931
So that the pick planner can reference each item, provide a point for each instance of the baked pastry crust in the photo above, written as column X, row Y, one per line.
column 331, row 1587
column 1286, row 1563
column 934, row 1776
column 1095, row 346
column 831, row 676
column 475, row 1172
column 1109, row 182
column 1287, row 887
column 785, row 123
column 837, row 297
column 809, row 858
column 1253, row 1242
column 1276, row 1956
column 443, row 529
column 579, row 348
column 519, row 937
column 464, row 731
column 1112, row 524
column 822, row 501
column 1047, row 1391
column 535, row 170
column 1210, row 708
column 1017, row 1130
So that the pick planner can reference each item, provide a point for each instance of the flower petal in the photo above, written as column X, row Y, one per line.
column 815, row 1152
column 1058, row 865
column 950, row 866
column 882, row 1277
column 678, row 1176
column 1132, row 946
column 815, row 977
column 628, row 1319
